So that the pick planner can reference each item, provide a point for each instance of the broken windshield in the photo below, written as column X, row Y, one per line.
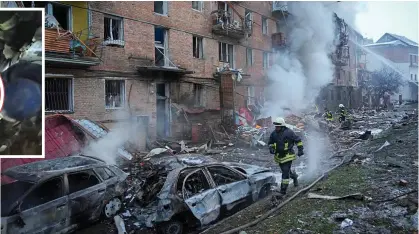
column 9, row 192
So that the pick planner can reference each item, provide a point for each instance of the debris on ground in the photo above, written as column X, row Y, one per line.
column 120, row 225
column 362, row 145
column 382, row 147
column 346, row 223
column 156, row 151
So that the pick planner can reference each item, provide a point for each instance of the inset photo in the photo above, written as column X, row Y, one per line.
column 21, row 88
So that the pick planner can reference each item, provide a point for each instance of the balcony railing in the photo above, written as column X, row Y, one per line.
column 224, row 24
column 278, row 40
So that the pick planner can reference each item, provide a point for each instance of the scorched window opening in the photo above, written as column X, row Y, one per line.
column 197, row 47
column 160, row 7
column 113, row 29
column 114, row 93
column 225, row 53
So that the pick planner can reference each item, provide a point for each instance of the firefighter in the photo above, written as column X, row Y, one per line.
column 342, row 113
column 281, row 144
column 328, row 116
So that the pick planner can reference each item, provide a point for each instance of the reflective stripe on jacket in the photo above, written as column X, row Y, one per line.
column 283, row 142
column 342, row 112
column 329, row 115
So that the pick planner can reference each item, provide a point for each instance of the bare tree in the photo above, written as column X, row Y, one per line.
column 381, row 81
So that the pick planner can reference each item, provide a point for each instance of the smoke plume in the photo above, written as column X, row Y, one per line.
column 303, row 68
column 106, row 148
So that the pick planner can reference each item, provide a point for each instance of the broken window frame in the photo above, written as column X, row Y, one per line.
column 102, row 170
column 265, row 25
column 265, row 60
column 50, row 95
column 165, row 47
column 251, row 95
column 113, row 41
column 184, row 196
column 199, row 97
column 241, row 176
column 21, row 205
column 198, row 47
column 224, row 6
column 200, row 6
column 228, row 57
column 165, row 8
column 248, row 19
column 90, row 173
column 249, row 57
column 121, row 94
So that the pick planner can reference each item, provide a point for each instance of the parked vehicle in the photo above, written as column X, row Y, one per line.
column 195, row 191
column 59, row 195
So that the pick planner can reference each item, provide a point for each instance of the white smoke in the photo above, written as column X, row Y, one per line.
column 349, row 11
column 317, row 151
column 106, row 148
column 305, row 67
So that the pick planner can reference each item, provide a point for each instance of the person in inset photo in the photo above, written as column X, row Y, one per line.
column 21, row 82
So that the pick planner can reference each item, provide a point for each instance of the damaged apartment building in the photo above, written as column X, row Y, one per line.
column 176, row 67
column 347, row 59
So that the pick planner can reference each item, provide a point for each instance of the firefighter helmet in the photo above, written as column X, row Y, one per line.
column 279, row 122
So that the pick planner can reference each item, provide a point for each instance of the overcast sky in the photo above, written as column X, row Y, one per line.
column 396, row 17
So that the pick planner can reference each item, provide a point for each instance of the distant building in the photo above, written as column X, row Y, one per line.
column 347, row 58
column 400, row 53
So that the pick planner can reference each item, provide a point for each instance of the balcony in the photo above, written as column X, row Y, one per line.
column 280, row 9
column 278, row 40
column 64, row 47
column 341, row 56
column 225, row 25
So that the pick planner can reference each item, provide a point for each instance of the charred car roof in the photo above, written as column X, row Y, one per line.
column 41, row 170
column 182, row 160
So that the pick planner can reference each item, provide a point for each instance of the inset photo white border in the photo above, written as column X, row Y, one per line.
column 42, row 10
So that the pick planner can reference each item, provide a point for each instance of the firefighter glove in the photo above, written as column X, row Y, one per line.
column 300, row 151
column 271, row 149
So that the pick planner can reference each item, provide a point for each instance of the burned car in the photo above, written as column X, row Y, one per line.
column 60, row 195
column 196, row 191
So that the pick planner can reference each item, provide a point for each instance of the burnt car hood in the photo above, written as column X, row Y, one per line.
column 249, row 169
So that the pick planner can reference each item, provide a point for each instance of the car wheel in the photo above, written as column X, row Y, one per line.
column 264, row 191
column 172, row 227
column 112, row 207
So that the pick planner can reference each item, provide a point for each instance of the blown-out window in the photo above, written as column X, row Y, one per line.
column 114, row 93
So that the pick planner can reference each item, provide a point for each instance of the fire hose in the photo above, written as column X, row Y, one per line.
column 270, row 212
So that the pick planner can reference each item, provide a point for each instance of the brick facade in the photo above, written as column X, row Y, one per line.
column 182, row 23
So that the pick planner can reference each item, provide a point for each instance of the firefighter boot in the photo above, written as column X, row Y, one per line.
column 294, row 178
column 283, row 189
